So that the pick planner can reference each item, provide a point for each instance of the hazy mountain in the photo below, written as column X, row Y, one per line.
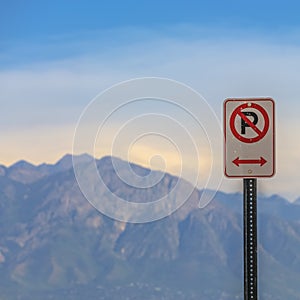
column 55, row 245
column 25, row 172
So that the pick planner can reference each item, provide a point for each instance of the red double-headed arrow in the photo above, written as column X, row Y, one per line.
column 239, row 161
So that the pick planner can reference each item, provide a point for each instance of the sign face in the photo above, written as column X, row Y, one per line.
column 249, row 137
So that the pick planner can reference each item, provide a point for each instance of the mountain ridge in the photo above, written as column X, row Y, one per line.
column 65, row 163
column 53, row 242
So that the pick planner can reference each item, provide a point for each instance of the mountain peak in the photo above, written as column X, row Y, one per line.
column 25, row 172
column 64, row 163
column 22, row 164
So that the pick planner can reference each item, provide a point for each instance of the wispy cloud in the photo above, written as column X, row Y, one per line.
column 42, row 95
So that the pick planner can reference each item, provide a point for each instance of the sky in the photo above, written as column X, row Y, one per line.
column 56, row 56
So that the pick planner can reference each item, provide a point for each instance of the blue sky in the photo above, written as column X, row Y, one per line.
column 26, row 23
column 35, row 19
column 55, row 56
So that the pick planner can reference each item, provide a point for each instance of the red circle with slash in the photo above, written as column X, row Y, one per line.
column 260, row 133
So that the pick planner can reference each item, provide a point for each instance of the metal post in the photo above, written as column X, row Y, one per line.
column 250, row 239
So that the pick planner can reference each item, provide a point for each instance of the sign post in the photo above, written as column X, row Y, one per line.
column 250, row 239
column 249, row 154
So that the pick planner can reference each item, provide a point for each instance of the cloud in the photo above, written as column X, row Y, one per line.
column 36, row 145
column 39, row 97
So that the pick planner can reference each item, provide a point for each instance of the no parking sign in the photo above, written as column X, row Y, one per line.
column 249, row 137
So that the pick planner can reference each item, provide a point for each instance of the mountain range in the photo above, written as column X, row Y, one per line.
column 55, row 245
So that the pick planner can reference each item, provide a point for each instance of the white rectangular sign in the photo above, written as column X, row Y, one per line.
column 249, row 137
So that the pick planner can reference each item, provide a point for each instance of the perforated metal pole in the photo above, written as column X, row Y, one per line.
column 250, row 239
